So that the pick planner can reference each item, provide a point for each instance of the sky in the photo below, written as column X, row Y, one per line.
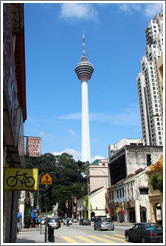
column 114, row 43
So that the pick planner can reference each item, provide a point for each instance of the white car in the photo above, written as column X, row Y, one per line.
column 65, row 221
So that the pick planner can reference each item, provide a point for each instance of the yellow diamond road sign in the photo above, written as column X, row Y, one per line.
column 46, row 179
column 158, row 165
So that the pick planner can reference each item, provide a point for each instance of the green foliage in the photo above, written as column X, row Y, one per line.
column 157, row 181
column 68, row 179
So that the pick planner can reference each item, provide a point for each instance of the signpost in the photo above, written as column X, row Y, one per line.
column 47, row 180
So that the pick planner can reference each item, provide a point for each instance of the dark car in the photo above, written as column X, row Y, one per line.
column 85, row 221
column 103, row 223
column 145, row 233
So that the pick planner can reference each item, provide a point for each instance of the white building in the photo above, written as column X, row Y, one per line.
column 97, row 202
column 136, row 193
column 149, row 91
column 115, row 147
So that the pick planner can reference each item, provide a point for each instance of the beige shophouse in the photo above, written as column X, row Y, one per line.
column 156, row 196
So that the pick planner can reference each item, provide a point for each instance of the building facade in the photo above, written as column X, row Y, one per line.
column 98, row 175
column 14, row 108
column 131, row 157
column 148, row 82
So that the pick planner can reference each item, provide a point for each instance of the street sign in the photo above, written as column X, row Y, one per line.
column 20, row 178
column 46, row 179
column 158, row 165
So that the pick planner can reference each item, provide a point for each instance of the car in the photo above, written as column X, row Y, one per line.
column 85, row 221
column 74, row 220
column 103, row 223
column 19, row 227
column 54, row 223
column 145, row 233
column 65, row 221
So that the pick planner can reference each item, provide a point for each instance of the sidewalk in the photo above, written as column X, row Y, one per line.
column 30, row 235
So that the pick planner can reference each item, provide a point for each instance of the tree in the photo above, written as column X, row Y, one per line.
column 67, row 175
column 157, row 181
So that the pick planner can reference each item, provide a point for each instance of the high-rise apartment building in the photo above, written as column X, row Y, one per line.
column 149, row 91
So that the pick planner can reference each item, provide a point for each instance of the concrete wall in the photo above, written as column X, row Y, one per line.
column 97, row 202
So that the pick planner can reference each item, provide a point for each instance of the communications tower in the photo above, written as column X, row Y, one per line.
column 84, row 70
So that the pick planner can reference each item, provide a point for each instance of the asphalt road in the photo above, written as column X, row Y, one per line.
column 76, row 233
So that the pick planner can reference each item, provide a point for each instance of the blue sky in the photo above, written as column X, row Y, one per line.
column 114, row 42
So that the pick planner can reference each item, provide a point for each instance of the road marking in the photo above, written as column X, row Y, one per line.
column 85, row 239
column 119, row 239
column 119, row 235
column 69, row 239
column 102, row 239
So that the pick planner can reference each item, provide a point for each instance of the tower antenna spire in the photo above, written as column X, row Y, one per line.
column 83, row 36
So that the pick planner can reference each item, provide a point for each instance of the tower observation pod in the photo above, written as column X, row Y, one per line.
column 84, row 71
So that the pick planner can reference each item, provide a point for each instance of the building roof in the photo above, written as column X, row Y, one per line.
column 96, row 162
column 93, row 191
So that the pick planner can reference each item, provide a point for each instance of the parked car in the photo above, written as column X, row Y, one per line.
column 54, row 223
column 103, row 223
column 65, row 221
column 85, row 221
column 74, row 220
column 145, row 233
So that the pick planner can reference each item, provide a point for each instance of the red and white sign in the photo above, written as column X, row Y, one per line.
column 33, row 147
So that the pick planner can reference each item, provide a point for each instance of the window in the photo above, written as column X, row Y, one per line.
column 144, row 191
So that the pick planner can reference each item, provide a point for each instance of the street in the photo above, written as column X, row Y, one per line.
column 76, row 233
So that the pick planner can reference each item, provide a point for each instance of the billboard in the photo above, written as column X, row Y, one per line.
column 20, row 178
column 33, row 146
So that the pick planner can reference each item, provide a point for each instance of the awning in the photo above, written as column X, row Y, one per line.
column 33, row 216
column 19, row 215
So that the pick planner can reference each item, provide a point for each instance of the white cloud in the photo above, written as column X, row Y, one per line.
column 72, row 132
column 129, row 117
column 75, row 116
column 149, row 10
column 78, row 11
column 152, row 9
column 76, row 154
column 97, row 157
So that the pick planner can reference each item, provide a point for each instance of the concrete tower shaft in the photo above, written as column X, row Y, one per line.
column 84, row 71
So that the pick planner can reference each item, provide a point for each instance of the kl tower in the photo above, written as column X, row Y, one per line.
column 84, row 71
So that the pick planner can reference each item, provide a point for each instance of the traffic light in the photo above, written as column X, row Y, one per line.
column 148, row 159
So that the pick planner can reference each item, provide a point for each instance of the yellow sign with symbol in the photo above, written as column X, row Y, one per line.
column 20, row 178
column 158, row 165
column 46, row 179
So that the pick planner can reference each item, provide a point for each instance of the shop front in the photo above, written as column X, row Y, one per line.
column 130, row 211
